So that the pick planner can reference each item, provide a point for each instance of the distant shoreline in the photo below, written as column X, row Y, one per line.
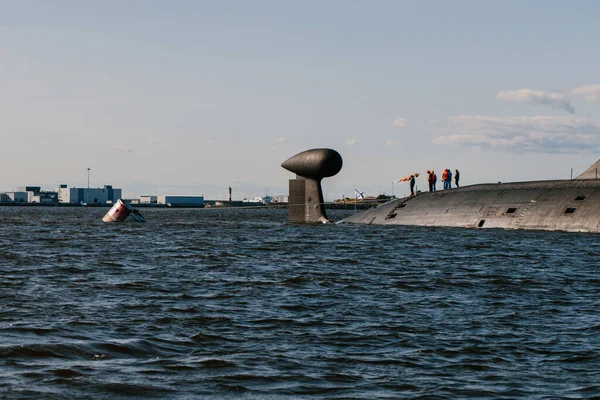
column 97, row 205
column 328, row 206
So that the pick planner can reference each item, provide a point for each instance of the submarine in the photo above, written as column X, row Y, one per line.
column 553, row 205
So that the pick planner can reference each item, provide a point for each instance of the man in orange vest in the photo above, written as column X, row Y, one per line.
column 445, row 178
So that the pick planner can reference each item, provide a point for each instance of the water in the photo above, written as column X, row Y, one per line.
column 238, row 304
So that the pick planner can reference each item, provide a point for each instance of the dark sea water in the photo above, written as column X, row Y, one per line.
column 237, row 304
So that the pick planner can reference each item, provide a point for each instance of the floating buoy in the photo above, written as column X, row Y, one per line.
column 121, row 212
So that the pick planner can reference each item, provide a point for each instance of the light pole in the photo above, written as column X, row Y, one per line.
column 87, row 193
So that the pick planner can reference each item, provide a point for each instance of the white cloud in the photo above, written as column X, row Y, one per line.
column 351, row 142
column 212, row 142
column 556, row 100
column 154, row 141
column 523, row 134
column 281, row 139
column 400, row 122
column 126, row 149
column 391, row 143
column 589, row 92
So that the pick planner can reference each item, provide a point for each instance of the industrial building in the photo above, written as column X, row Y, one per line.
column 16, row 197
column 34, row 189
column 280, row 198
column 37, row 195
column 105, row 195
column 148, row 199
column 189, row 201
column 43, row 197
column 29, row 194
column 89, row 196
column 259, row 199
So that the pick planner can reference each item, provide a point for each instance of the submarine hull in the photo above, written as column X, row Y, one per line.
column 564, row 205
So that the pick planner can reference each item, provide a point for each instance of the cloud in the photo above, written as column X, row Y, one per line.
column 391, row 143
column 154, row 141
column 523, row 134
column 126, row 149
column 589, row 92
column 212, row 142
column 555, row 100
column 400, row 122
column 281, row 139
column 351, row 142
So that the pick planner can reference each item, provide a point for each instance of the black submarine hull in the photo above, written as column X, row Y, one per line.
column 562, row 205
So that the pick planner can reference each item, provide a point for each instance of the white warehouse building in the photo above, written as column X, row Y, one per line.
column 105, row 195
column 148, row 199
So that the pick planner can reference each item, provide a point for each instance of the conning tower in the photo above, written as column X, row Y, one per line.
column 306, row 204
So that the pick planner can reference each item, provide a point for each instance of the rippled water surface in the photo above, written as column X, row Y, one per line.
column 237, row 304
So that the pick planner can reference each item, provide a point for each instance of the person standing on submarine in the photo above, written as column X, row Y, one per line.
column 445, row 178
column 429, row 180
column 456, row 177
column 412, row 185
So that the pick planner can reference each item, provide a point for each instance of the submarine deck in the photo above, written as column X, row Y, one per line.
column 568, row 205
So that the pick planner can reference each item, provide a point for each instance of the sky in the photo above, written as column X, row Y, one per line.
column 192, row 97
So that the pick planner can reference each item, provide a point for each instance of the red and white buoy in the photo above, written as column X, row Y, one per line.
column 120, row 212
